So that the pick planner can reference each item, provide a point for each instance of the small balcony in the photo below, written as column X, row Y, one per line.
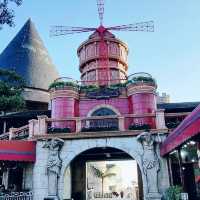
column 94, row 126
column 100, row 123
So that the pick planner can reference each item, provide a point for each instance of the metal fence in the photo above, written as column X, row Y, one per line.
column 17, row 196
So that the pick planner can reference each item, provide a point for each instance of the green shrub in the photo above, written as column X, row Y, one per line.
column 89, row 88
column 52, row 130
column 142, row 79
column 62, row 84
column 118, row 85
column 139, row 127
column 173, row 193
column 96, row 129
column 92, row 88
column 171, row 125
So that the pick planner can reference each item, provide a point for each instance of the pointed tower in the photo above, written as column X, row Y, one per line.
column 27, row 55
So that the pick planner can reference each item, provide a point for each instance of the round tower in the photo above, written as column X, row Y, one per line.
column 142, row 98
column 64, row 102
column 89, row 53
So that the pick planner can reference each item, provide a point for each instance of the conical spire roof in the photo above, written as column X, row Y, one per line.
column 27, row 55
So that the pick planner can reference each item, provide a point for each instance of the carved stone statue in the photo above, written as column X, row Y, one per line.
column 150, row 163
column 54, row 165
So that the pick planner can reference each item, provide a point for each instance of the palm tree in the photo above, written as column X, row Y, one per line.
column 103, row 174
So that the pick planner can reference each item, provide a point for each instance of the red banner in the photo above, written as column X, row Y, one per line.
column 17, row 150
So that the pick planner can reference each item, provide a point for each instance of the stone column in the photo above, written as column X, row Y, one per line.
column 78, row 125
column 32, row 128
column 160, row 119
column 42, row 125
column 11, row 132
column 121, row 123
column 5, row 178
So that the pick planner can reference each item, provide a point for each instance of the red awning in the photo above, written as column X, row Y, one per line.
column 188, row 128
column 17, row 150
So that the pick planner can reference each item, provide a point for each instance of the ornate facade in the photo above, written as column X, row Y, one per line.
column 120, row 120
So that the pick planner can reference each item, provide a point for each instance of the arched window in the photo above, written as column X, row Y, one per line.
column 106, row 123
column 103, row 112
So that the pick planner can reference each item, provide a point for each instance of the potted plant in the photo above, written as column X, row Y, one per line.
column 173, row 193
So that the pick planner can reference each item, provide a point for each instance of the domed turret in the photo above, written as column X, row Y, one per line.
column 89, row 58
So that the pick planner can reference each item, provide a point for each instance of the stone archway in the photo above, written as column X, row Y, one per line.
column 72, row 149
column 87, row 180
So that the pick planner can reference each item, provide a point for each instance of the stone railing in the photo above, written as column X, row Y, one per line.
column 44, row 125
column 16, row 134
column 4, row 136
column 19, row 133
column 17, row 196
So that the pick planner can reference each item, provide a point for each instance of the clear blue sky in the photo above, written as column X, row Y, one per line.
column 171, row 54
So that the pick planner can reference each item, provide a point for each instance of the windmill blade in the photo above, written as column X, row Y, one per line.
column 66, row 30
column 141, row 26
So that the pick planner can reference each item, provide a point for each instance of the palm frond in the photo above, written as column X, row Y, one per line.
column 97, row 172
column 109, row 175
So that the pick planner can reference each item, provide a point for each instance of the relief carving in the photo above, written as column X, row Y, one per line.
column 150, row 164
column 54, row 165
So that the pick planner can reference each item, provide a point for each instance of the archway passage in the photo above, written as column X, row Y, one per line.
column 115, row 168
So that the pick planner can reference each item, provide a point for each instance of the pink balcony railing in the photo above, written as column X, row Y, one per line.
column 100, row 123
column 77, row 125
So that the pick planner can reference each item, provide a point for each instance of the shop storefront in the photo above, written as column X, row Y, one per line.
column 182, row 147
column 15, row 159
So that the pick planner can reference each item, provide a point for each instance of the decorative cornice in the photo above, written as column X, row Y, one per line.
column 140, row 88
column 69, row 92
column 117, row 58
column 98, row 40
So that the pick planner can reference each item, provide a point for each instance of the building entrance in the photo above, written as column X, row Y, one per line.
column 105, row 174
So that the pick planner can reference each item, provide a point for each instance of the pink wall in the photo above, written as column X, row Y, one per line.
column 144, row 103
column 63, row 107
column 120, row 104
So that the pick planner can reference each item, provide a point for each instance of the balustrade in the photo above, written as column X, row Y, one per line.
column 100, row 123
column 17, row 196
column 45, row 125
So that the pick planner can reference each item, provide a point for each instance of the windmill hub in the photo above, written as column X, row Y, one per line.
column 101, row 29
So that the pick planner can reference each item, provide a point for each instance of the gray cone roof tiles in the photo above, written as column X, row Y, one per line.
column 27, row 55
